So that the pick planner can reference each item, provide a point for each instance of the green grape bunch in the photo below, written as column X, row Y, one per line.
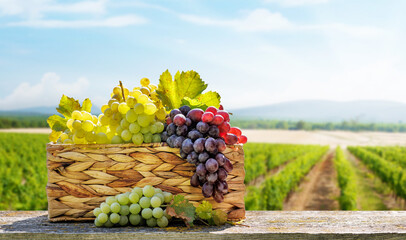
column 140, row 207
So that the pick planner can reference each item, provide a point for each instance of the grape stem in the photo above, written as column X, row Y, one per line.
column 122, row 89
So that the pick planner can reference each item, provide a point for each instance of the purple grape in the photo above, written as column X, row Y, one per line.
column 187, row 146
column 188, row 122
column 202, row 180
column 194, row 181
column 174, row 112
column 164, row 136
column 198, row 146
column 202, row 127
column 211, row 178
column 171, row 140
column 183, row 154
column 228, row 166
column 171, row 129
column 195, row 114
column 214, row 131
column 185, row 109
column 221, row 159
column 222, row 174
column 225, row 191
column 221, row 186
column 181, row 130
column 212, row 165
column 218, row 196
column 221, row 145
column 194, row 135
column 211, row 145
column 207, row 189
column 201, row 170
column 178, row 142
column 192, row 158
column 203, row 157
column 179, row 120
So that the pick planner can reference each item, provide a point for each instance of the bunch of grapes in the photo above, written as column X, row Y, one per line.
column 202, row 137
column 133, row 116
column 141, row 206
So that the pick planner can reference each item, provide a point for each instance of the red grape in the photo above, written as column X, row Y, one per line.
column 221, row 145
column 179, row 120
column 207, row 117
column 217, row 120
column 236, row 131
column 225, row 115
column 242, row 139
column 174, row 112
column 221, row 107
column 168, row 120
column 225, row 127
column 231, row 139
column 195, row 114
column 223, row 135
column 212, row 110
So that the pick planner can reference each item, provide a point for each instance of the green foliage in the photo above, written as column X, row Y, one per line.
column 204, row 210
column 346, row 181
column 23, row 172
column 183, row 209
column 394, row 154
column 23, row 121
column 272, row 192
column 391, row 173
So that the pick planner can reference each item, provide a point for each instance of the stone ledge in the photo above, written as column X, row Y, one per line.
column 258, row 225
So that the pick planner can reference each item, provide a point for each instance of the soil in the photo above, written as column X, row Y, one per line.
column 319, row 189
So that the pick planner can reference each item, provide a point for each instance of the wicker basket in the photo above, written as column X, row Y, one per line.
column 80, row 177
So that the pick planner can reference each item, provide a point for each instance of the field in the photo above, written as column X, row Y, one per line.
column 278, row 176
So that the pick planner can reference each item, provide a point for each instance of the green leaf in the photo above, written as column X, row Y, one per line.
column 57, row 123
column 67, row 105
column 183, row 209
column 190, row 84
column 54, row 135
column 86, row 105
column 203, row 101
column 219, row 217
column 204, row 210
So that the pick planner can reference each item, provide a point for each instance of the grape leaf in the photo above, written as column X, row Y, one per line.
column 203, row 101
column 67, row 105
column 204, row 210
column 54, row 135
column 219, row 217
column 86, row 105
column 183, row 209
column 57, row 123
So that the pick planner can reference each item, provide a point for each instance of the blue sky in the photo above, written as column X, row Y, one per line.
column 251, row 52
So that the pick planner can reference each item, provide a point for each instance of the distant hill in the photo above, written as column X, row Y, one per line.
column 328, row 111
column 40, row 111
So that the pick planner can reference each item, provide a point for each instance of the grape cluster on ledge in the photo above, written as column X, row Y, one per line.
column 202, row 137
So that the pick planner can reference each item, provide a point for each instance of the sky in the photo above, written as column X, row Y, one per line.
column 253, row 53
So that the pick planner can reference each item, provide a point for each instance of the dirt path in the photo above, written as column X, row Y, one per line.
column 319, row 189
column 27, row 130
column 372, row 193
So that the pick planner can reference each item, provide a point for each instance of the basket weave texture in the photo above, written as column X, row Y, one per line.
column 80, row 177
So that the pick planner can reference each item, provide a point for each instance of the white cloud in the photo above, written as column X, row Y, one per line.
column 295, row 3
column 262, row 20
column 47, row 92
column 119, row 21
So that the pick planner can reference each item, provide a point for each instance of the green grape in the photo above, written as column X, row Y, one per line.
column 161, row 196
column 160, row 126
column 150, row 108
column 77, row 115
column 117, row 90
column 146, row 213
column 114, row 218
column 114, row 106
column 69, row 123
column 145, row 130
column 95, row 119
column 134, row 127
column 151, row 222
column 97, row 211
column 68, row 141
column 80, row 133
column 119, row 130
column 86, row 116
column 88, row 126
column 115, row 207
column 101, row 138
column 135, row 208
column 104, row 120
column 153, row 129
column 138, row 190
column 145, row 202
column 158, row 190
column 102, row 218
column 143, row 99
column 117, row 118
column 97, row 223
column 148, row 137
column 135, row 219
column 136, row 92
column 148, row 191
column 131, row 101
column 111, row 101
column 125, row 210
column 169, row 217
column 131, row 116
column 126, row 135
column 138, row 138
column 108, row 113
column 157, row 212
column 161, row 114
column 110, row 200
column 143, row 120
column 127, row 194
column 77, row 124
column 105, row 208
column 123, row 199
column 123, row 221
column 139, row 108
column 123, row 108
column 104, row 107
column 156, row 138
column 108, row 224
column 144, row 82
column 116, row 139
column 90, row 137
column 155, row 202
column 134, row 198
column 78, row 140
column 162, row 222
column 124, row 123
column 64, row 136
column 168, row 197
